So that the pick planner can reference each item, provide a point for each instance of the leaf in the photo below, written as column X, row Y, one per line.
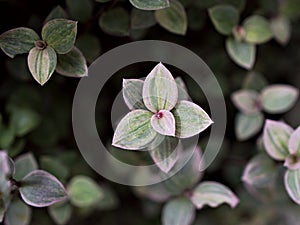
column 18, row 213
column 247, row 101
column 241, row 53
column 25, row 164
column 115, row 22
column 55, row 167
column 142, row 19
column 190, row 119
column 134, row 131
column 18, row 41
column 84, row 192
column 165, row 155
column 254, row 81
column 109, row 201
column 282, row 29
column 292, row 184
column 7, row 137
column 41, row 189
column 80, row 10
column 213, row 194
column 246, row 126
column 150, row 5
column 275, row 137
column 224, row 18
column 257, row 30
column 182, row 90
column 60, row 34
column 173, row 18
column 42, row 64
column 179, row 211
column 279, row 98
column 24, row 121
column 72, row 64
column 294, row 142
column 163, row 122
column 160, row 89
column 90, row 46
column 133, row 93
column 260, row 171
column 61, row 213
column 56, row 13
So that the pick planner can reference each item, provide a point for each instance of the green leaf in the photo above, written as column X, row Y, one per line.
column 260, row 172
column 25, row 164
column 257, row 30
column 275, row 137
column 179, row 211
column 224, row 18
column 163, row 122
column 90, row 46
column 213, row 194
column 18, row 41
column 173, row 19
column 248, row 125
column 133, row 93
column 84, row 192
column 80, row 10
column 142, row 19
column 55, row 167
column 241, row 53
column 7, row 137
column 18, row 213
column 160, row 89
column 247, row 101
column 182, row 90
column 150, row 5
column 254, row 81
column 60, row 34
column 282, row 29
column 72, row 64
column 165, row 155
column 24, row 121
column 115, row 21
column 57, row 13
column 134, row 131
column 42, row 64
column 279, row 98
column 190, row 119
column 294, row 142
column 60, row 213
column 292, row 185
column 41, row 189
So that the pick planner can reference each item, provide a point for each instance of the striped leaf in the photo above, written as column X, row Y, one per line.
column 133, row 93
column 275, row 137
column 163, row 122
column 72, row 64
column 150, row 5
column 160, row 89
column 279, row 98
column 294, row 142
column 213, row 194
column 182, row 90
column 134, row 131
column 18, row 41
column 18, row 213
column 179, row 211
column 247, row 101
column 292, row 184
column 42, row 63
column 190, row 119
column 60, row 34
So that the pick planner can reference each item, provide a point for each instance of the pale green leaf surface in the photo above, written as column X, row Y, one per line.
column 163, row 122
column 133, row 93
column 150, row 5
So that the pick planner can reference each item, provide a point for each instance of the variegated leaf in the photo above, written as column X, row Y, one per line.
column 72, row 64
column 18, row 213
column 247, row 101
column 134, row 131
column 160, row 89
column 163, row 122
column 292, row 184
column 294, row 142
column 190, row 119
column 182, row 90
column 150, row 5
column 213, row 194
column 60, row 34
column 18, row 41
column 133, row 93
column 275, row 137
column 42, row 63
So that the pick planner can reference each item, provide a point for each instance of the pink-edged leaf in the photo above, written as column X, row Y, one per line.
column 163, row 122
column 213, row 194
column 294, row 142
column 247, row 101
column 41, row 189
column 275, row 137
column 292, row 184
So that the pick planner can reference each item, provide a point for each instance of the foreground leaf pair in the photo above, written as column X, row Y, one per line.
column 160, row 110
column 55, row 51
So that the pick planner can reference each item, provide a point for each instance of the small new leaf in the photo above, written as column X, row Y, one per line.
column 150, row 5
column 163, row 122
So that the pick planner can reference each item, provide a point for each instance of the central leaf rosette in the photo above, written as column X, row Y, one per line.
column 161, row 113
